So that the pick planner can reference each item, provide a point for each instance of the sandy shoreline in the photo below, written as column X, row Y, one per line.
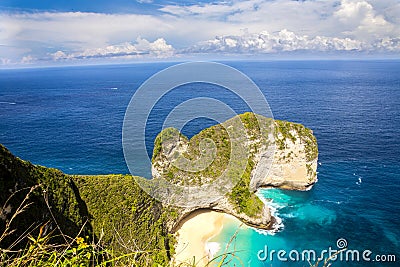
column 193, row 234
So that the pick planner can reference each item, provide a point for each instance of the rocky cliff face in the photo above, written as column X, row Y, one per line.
column 263, row 220
column 279, row 154
column 295, row 159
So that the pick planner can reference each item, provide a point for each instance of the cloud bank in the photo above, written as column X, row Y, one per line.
column 142, row 47
column 227, row 27
column 287, row 41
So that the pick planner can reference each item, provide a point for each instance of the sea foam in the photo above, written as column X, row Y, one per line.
column 212, row 248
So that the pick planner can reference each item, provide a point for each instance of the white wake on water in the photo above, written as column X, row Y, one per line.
column 359, row 181
column 274, row 209
column 9, row 103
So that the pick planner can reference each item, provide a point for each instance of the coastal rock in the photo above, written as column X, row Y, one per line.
column 262, row 221
column 280, row 154
column 295, row 159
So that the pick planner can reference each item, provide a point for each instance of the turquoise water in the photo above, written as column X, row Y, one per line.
column 287, row 208
column 71, row 118
column 309, row 221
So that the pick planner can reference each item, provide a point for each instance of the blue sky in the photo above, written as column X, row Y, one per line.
column 81, row 31
column 99, row 6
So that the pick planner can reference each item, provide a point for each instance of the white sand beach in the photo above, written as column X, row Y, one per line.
column 193, row 236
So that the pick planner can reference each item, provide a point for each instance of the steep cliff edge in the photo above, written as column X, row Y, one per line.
column 111, row 211
column 277, row 154
column 295, row 159
column 44, row 197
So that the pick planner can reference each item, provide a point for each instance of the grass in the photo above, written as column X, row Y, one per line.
column 81, row 251
column 40, row 250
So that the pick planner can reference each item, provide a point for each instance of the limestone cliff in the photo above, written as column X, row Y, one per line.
column 295, row 158
column 277, row 154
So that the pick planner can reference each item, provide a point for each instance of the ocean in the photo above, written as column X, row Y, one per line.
column 71, row 118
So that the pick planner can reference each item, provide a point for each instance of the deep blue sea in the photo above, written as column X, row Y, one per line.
column 71, row 118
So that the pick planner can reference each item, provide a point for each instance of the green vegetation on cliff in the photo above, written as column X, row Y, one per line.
column 215, row 134
column 255, row 132
column 54, row 202
column 285, row 131
column 126, row 219
column 241, row 197
column 44, row 213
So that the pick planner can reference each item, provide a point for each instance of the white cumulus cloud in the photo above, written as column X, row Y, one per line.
column 5, row 61
column 27, row 59
column 359, row 18
column 142, row 47
column 288, row 41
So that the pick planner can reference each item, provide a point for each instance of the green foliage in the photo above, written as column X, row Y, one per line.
column 128, row 223
column 54, row 201
column 126, row 219
column 215, row 134
column 241, row 197
column 284, row 132
column 79, row 253
column 244, row 200
column 165, row 136
column 310, row 172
